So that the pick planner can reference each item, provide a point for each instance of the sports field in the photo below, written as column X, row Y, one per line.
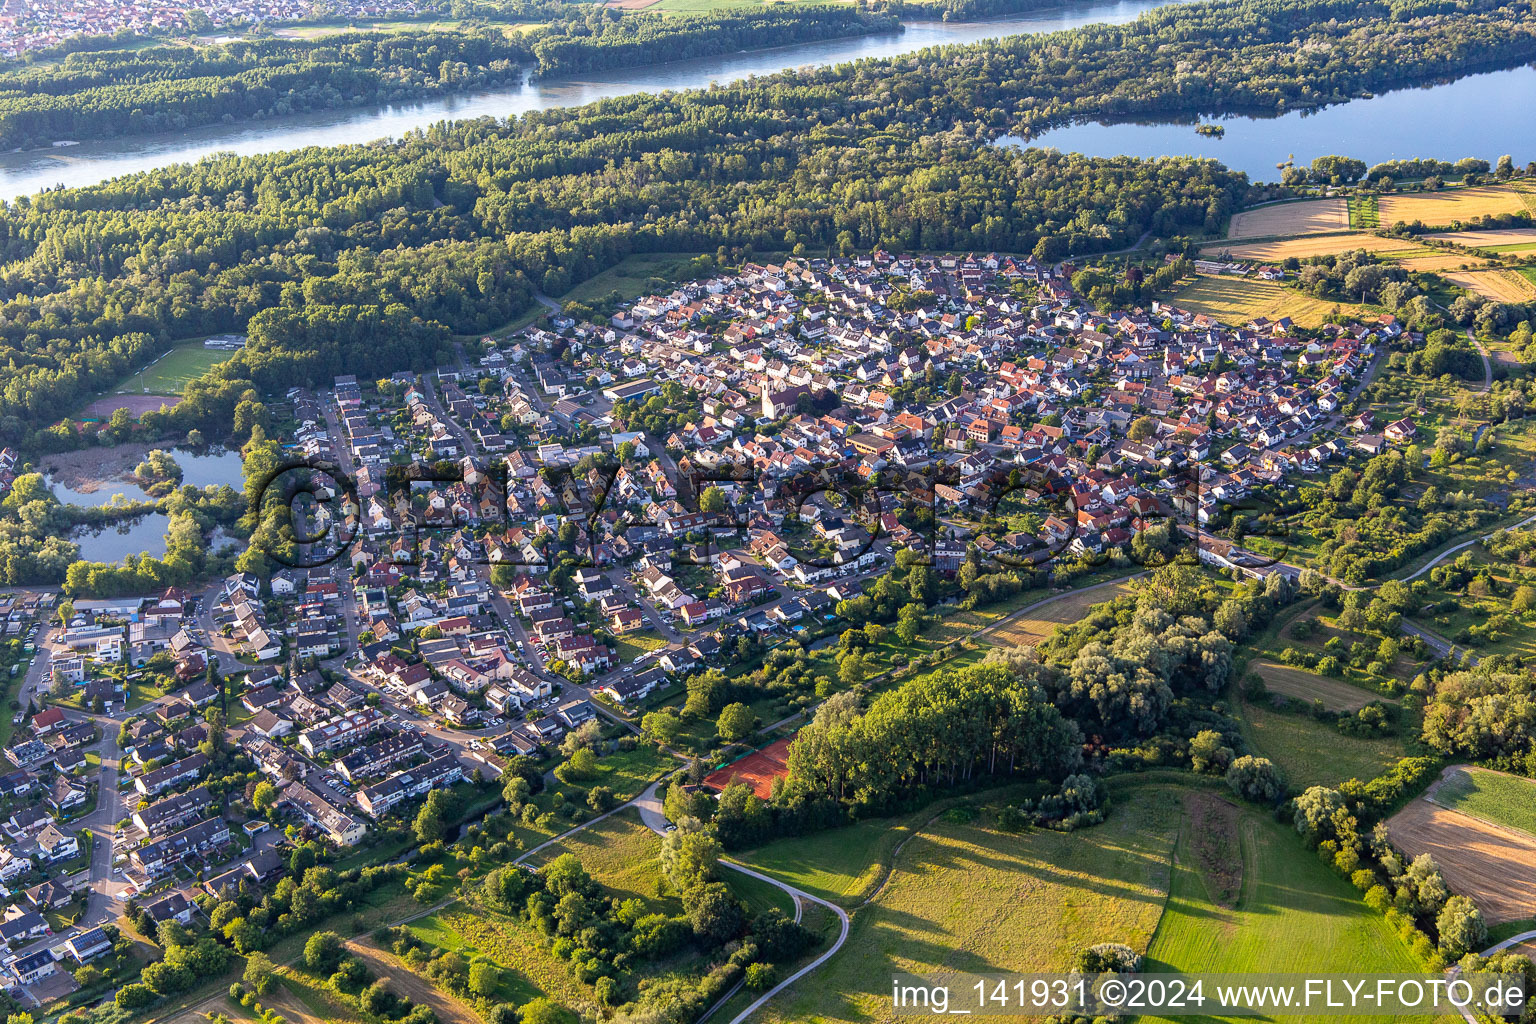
column 1300, row 218
column 1236, row 300
column 1030, row 628
column 1335, row 694
column 1442, row 209
column 169, row 374
column 758, row 769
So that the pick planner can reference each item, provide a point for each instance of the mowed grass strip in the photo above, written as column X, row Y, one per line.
column 1503, row 799
column 1335, row 694
column 1237, row 300
column 1313, row 753
column 1300, row 218
column 966, row 898
column 1293, row 915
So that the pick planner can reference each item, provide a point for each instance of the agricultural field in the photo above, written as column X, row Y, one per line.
column 1507, row 240
column 1307, row 217
column 170, row 374
column 1499, row 285
column 1335, row 694
column 1314, row 753
column 1494, row 866
column 1238, row 300
column 1497, row 798
column 1291, row 913
column 1029, row 629
column 1441, row 262
column 954, row 897
column 1444, row 209
column 1324, row 245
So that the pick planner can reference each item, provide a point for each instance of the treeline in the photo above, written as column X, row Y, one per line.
column 102, row 94
column 603, row 42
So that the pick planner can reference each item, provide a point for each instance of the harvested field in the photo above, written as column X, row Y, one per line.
column 758, row 769
column 1441, row 261
column 1499, row 285
column 1442, row 209
column 1335, row 694
column 1237, row 300
column 138, row 405
column 1030, row 628
column 1494, row 867
column 1519, row 237
column 1301, row 218
column 1320, row 246
column 629, row 5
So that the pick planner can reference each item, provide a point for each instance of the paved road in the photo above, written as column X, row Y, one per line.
column 1448, row 552
column 1513, row 940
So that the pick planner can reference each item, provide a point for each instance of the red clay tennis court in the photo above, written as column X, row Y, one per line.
column 757, row 769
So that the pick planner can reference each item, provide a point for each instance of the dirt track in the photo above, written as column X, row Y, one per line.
column 1493, row 866
column 402, row 981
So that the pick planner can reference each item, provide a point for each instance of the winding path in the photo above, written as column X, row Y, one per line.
column 1513, row 940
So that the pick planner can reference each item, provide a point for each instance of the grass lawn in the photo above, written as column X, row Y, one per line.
column 968, row 899
column 1495, row 797
column 169, row 374
column 1335, row 694
column 841, row 865
column 512, row 947
column 619, row 852
column 759, row 896
column 1292, row 914
column 1315, row 753
column 632, row 645
column 1235, row 300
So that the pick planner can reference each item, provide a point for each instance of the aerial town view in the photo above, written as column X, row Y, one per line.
column 810, row 512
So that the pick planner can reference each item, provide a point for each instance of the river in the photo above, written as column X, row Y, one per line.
column 89, row 163
column 1483, row 115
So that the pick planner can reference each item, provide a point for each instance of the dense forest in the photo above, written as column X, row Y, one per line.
column 605, row 41
column 168, row 88
column 455, row 228
column 104, row 93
